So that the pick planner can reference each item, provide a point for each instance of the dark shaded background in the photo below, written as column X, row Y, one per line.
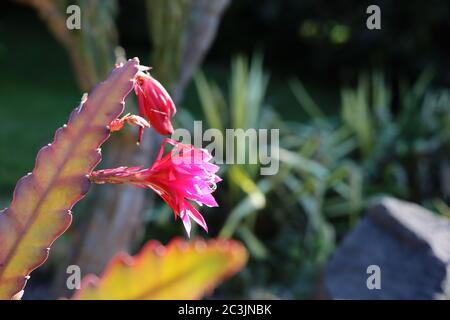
column 303, row 37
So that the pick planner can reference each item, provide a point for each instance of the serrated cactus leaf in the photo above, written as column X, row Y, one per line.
column 181, row 270
column 40, row 210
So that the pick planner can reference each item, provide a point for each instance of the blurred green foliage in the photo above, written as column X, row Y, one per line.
column 166, row 23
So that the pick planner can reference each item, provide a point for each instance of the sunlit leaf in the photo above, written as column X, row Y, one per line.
column 40, row 210
column 180, row 270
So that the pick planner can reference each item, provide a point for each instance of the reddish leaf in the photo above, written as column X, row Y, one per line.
column 182, row 270
column 40, row 210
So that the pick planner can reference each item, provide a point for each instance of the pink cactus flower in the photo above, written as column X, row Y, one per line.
column 154, row 103
column 183, row 174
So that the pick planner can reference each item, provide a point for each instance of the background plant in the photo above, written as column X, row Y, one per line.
column 331, row 168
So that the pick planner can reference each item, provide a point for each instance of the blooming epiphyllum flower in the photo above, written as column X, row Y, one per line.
column 183, row 174
column 154, row 103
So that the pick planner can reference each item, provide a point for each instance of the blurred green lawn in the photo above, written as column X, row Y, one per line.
column 38, row 91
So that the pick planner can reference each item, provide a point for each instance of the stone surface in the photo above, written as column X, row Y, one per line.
column 410, row 244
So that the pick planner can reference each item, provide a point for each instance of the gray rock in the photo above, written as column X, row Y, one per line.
column 411, row 246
